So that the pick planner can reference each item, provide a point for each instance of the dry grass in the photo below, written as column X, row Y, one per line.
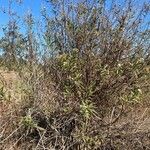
column 131, row 131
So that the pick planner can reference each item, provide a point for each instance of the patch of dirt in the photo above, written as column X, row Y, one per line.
column 8, row 77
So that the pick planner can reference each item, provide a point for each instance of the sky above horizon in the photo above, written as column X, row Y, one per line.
column 34, row 6
column 22, row 10
column 27, row 5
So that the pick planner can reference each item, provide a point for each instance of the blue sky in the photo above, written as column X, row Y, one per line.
column 35, row 6
column 28, row 5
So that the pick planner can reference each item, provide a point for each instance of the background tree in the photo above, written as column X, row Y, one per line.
column 12, row 43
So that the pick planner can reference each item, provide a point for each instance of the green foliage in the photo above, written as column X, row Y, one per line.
column 133, row 96
column 27, row 121
column 87, row 109
column 2, row 93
